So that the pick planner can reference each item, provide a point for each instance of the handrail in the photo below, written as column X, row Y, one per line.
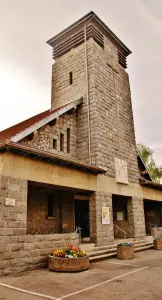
column 151, row 225
column 78, row 230
column 125, row 233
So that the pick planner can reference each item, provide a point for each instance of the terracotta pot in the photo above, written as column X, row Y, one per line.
column 68, row 264
column 125, row 252
column 158, row 244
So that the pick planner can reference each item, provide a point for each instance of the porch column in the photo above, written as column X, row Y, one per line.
column 100, row 234
column 136, row 217
column 13, row 208
column 13, row 222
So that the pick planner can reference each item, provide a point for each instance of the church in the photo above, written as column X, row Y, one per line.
column 76, row 166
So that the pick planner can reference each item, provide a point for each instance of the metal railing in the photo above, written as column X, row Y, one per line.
column 78, row 230
column 151, row 225
column 125, row 233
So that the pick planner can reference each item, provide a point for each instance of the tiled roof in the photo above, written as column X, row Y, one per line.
column 20, row 149
column 13, row 130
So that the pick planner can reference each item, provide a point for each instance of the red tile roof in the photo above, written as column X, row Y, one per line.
column 13, row 130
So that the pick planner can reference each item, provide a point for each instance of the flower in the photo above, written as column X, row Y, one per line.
column 68, row 252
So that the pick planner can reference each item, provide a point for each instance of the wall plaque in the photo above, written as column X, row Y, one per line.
column 9, row 202
column 121, row 171
column 105, row 215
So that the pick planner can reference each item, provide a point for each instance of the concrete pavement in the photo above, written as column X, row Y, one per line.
column 111, row 279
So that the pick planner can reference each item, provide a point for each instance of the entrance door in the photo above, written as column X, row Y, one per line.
column 82, row 216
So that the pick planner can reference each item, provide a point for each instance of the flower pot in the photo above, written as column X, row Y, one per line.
column 125, row 252
column 77, row 264
column 158, row 244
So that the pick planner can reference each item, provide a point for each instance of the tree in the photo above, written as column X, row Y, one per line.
column 147, row 155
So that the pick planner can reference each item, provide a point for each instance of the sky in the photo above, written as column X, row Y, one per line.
column 26, row 59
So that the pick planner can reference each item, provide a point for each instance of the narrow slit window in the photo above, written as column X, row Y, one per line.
column 61, row 142
column 50, row 206
column 71, row 78
column 55, row 144
column 68, row 140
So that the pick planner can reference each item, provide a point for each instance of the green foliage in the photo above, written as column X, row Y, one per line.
column 147, row 156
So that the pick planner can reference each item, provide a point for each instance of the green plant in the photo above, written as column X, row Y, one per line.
column 158, row 239
column 125, row 244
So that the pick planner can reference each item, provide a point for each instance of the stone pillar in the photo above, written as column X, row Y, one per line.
column 100, row 234
column 13, row 221
column 136, row 217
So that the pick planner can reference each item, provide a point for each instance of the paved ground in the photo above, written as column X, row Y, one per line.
column 107, row 280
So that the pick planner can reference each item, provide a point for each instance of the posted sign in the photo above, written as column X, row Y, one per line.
column 105, row 215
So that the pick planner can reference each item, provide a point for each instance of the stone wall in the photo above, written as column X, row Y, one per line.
column 112, row 130
column 26, row 252
column 124, row 225
column 101, row 234
column 13, row 218
column 37, row 211
column 153, row 215
column 18, row 251
column 136, row 217
column 120, row 204
column 156, row 232
column 111, row 116
column 62, row 91
column 43, row 140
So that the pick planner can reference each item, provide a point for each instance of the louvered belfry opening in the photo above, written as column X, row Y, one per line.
column 76, row 39
column 122, row 60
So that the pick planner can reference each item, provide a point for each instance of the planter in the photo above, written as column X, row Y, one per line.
column 158, row 244
column 125, row 252
column 77, row 264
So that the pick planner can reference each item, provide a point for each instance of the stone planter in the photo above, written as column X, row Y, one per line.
column 68, row 264
column 158, row 244
column 125, row 252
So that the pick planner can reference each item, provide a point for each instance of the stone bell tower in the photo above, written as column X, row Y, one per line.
column 90, row 62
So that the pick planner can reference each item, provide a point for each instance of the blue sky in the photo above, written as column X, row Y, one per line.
column 26, row 59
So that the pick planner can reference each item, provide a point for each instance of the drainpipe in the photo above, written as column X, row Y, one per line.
column 87, row 88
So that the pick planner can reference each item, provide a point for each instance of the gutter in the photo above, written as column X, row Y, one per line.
column 87, row 87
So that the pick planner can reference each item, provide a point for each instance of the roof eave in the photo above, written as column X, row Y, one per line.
column 151, row 184
column 53, row 158
column 88, row 17
column 19, row 136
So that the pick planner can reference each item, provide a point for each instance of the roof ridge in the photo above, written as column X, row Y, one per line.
column 24, row 120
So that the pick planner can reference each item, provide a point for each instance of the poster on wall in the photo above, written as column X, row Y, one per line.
column 105, row 215
column 120, row 216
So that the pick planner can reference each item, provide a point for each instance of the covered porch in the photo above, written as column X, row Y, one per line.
column 53, row 209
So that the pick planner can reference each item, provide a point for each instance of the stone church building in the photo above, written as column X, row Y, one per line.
column 76, row 164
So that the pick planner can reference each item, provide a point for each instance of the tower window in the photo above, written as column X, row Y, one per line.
column 122, row 60
column 55, row 144
column 50, row 206
column 71, row 78
column 68, row 140
column 61, row 142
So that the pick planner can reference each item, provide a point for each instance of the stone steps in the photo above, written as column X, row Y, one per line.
column 99, row 253
column 100, row 257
